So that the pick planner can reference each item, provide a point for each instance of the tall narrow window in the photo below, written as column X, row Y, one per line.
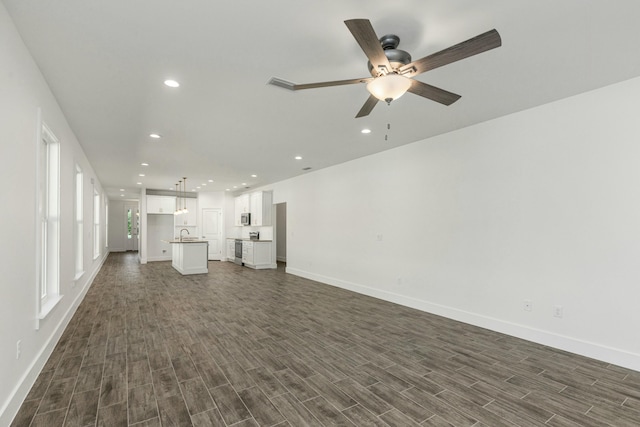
column 48, row 272
column 96, row 223
column 79, row 223
column 106, row 223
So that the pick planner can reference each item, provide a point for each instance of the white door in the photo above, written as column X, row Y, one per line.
column 212, row 231
column 131, row 226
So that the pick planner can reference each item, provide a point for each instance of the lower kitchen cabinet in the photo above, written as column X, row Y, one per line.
column 231, row 249
column 257, row 254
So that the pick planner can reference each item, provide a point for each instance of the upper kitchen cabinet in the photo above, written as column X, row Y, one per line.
column 161, row 204
column 242, row 206
column 190, row 218
column 260, row 209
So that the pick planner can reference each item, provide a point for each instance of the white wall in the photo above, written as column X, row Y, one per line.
column 542, row 205
column 159, row 229
column 22, row 92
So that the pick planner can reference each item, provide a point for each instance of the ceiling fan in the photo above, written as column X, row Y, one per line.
column 392, row 70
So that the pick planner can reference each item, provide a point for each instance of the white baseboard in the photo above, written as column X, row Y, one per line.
column 589, row 349
column 159, row 258
column 19, row 393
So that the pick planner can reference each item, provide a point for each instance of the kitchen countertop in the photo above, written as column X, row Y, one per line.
column 248, row 240
column 186, row 241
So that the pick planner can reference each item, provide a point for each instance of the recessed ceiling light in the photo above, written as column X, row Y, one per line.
column 155, row 135
column 254, row 176
column 144, row 164
column 244, row 183
column 193, row 189
column 197, row 188
column 122, row 189
column 210, row 180
column 140, row 174
column 228, row 189
column 298, row 157
column 122, row 195
column 366, row 131
column 204, row 184
column 171, row 83
column 139, row 183
column 235, row 186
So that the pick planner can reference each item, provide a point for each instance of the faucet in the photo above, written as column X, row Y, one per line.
column 184, row 229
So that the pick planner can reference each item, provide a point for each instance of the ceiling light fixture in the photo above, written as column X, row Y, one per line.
column 171, row 83
column 122, row 189
column 210, row 180
column 155, row 135
column 138, row 183
column 140, row 174
column 389, row 87
column 365, row 131
column 254, row 176
column 298, row 157
column 144, row 164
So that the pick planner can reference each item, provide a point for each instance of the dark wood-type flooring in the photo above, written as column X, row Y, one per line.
column 239, row 347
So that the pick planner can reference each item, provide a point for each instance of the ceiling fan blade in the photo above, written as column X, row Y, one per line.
column 364, row 34
column 485, row 41
column 367, row 107
column 433, row 93
column 294, row 86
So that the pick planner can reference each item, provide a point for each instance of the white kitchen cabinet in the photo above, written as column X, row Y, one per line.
column 190, row 218
column 257, row 254
column 261, row 205
column 242, row 205
column 231, row 249
column 161, row 204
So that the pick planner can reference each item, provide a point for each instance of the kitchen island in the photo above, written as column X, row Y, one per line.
column 189, row 256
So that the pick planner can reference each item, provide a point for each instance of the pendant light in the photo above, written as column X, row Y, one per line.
column 185, row 210
column 177, row 211
column 180, row 196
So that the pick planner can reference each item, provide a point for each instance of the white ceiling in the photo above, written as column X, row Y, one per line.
column 105, row 62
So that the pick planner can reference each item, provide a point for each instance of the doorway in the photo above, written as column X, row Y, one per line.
column 131, row 226
column 212, row 232
column 281, row 232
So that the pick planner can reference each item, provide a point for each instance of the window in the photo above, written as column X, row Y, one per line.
column 48, row 258
column 106, row 223
column 79, row 223
column 96, row 223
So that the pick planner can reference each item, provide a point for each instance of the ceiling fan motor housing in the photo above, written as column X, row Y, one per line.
column 396, row 57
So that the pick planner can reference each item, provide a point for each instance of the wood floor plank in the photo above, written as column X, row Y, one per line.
column 142, row 404
column 260, row 407
column 229, row 404
column 196, row 396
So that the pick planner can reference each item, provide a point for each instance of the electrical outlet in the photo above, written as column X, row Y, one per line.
column 558, row 311
column 527, row 305
column 18, row 348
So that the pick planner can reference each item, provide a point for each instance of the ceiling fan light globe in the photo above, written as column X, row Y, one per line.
column 389, row 87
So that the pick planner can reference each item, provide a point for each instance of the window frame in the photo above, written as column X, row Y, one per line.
column 78, row 219
column 48, row 219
